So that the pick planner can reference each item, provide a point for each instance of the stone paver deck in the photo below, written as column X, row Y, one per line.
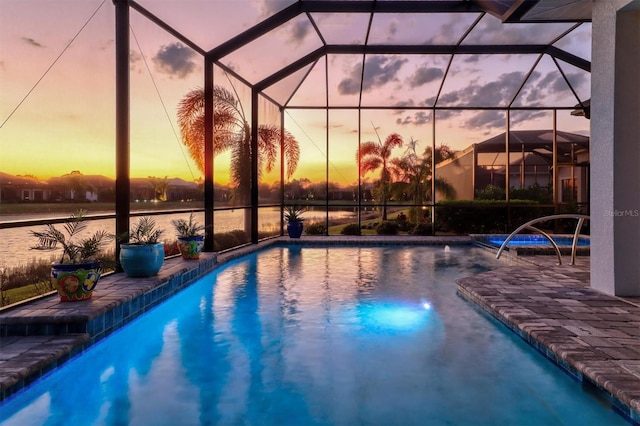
column 593, row 336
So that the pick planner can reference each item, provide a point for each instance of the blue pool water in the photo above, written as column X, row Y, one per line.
column 536, row 241
column 315, row 336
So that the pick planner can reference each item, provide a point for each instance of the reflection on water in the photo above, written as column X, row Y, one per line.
column 315, row 336
column 17, row 242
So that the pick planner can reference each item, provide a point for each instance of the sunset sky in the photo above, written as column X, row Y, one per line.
column 57, row 82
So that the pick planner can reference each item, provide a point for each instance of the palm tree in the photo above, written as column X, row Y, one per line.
column 160, row 187
column 413, row 175
column 78, row 185
column 374, row 156
column 232, row 132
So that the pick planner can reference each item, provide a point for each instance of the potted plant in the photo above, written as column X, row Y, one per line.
column 77, row 272
column 141, row 252
column 190, row 237
column 293, row 216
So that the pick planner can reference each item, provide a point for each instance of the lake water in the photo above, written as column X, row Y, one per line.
column 17, row 242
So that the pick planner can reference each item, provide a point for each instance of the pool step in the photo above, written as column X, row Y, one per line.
column 117, row 300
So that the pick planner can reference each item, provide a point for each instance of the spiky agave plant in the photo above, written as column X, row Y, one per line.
column 143, row 231
column 74, row 249
column 190, row 228
column 293, row 213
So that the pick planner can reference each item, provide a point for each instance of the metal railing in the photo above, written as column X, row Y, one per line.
column 529, row 225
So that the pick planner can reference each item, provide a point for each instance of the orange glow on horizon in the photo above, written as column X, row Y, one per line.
column 58, row 116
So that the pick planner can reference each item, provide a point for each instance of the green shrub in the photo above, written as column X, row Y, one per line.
column 387, row 228
column 316, row 228
column 36, row 271
column 227, row 240
column 485, row 216
column 404, row 226
column 171, row 248
column 417, row 214
column 491, row 192
column 240, row 236
column 535, row 192
column 422, row 229
column 351, row 229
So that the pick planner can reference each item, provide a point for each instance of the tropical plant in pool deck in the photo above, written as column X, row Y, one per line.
column 293, row 216
column 376, row 155
column 77, row 272
column 141, row 251
column 232, row 132
column 190, row 236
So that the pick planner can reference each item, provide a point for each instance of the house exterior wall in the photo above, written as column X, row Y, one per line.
column 565, row 176
column 22, row 193
column 533, row 175
column 615, row 151
column 459, row 174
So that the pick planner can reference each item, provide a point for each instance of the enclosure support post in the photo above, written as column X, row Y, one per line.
column 123, row 188
column 282, row 165
column 507, row 180
column 360, row 192
column 208, row 155
column 554, row 176
column 254, row 165
column 507, row 134
column 433, row 172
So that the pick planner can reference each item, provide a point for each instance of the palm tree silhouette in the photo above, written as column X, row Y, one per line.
column 374, row 156
column 160, row 187
column 413, row 174
column 232, row 132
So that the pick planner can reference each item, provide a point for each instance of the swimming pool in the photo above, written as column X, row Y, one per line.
column 534, row 240
column 324, row 335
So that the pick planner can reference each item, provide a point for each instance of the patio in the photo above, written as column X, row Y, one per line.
column 592, row 336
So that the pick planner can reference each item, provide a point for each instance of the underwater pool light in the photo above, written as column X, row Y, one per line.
column 395, row 316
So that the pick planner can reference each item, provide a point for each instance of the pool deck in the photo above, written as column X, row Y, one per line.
column 592, row 336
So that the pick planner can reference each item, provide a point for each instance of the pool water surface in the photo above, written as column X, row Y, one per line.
column 316, row 336
column 535, row 240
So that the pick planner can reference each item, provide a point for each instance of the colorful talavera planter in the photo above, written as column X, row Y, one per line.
column 141, row 260
column 191, row 247
column 75, row 281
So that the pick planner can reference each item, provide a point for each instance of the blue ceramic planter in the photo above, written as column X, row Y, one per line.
column 141, row 260
column 294, row 229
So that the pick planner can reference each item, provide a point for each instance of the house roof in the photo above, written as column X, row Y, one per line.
column 537, row 10
column 8, row 179
column 532, row 159
column 540, row 141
